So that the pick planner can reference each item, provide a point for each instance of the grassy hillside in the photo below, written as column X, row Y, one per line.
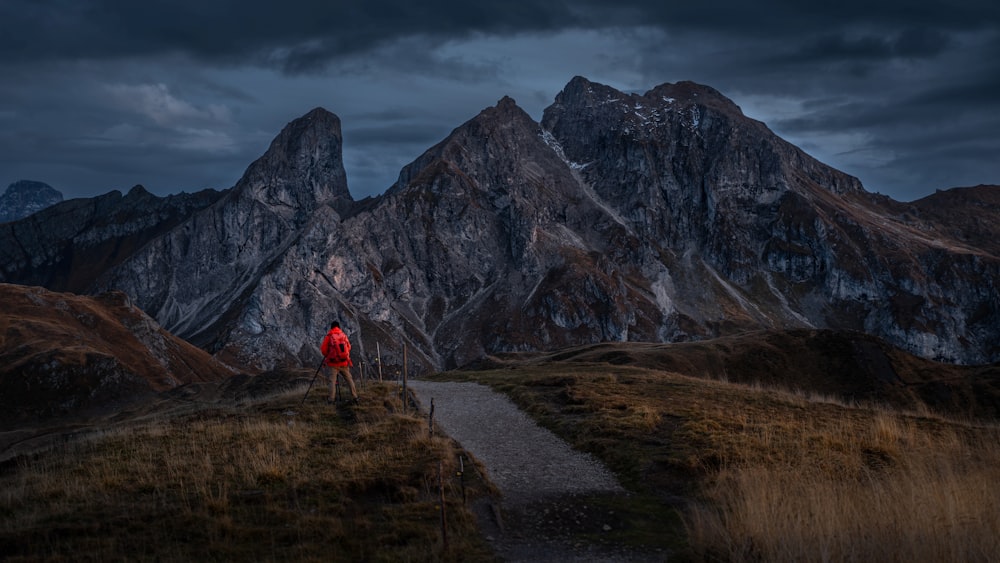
column 773, row 471
column 265, row 481
column 66, row 357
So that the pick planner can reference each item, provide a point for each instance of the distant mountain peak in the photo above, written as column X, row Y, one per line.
column 506, row 103
column 319, row 112
column 138, row 192
column 505, row 111
column 26, row 197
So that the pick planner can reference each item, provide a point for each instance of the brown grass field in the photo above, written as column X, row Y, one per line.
column 254, row 483
column 761, row 473
column 718, row 470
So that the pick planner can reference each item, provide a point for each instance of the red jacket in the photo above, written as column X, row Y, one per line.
column 334, row 340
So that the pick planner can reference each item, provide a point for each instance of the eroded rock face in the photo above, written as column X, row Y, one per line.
column 796, row 242
column 67, row 246
column 657, row 217
column 201, row 275
column 667, row 216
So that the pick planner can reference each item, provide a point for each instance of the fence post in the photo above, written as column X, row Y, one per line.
column 444, row 522
column 461, row 475
column 430, row 420
column 404, row 378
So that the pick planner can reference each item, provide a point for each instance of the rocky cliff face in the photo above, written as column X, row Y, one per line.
column 202, row 275
column 486, row 242
column 666, row 216
column 657, row 217
column 25, row 197
column 67, row 246
column 793, row 241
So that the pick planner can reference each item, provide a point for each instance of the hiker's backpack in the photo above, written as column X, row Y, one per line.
column 339, row 349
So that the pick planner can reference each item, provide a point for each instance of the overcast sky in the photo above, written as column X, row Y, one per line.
column 180, row 95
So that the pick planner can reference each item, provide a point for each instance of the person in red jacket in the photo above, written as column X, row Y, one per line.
column 336, row 349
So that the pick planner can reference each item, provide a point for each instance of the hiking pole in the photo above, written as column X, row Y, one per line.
column 323, row 361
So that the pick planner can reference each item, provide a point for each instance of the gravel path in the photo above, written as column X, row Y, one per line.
column 545, row 483
column 523, row 459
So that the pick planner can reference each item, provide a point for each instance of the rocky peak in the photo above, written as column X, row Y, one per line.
column 507, row 103
column 138, row 191
column 690, row 93
column 25, row 197
column 685, row 142
column 302, row 169
column 205, row 267
column 684, row 113
column 582, row 92
column 506, row 117
column 497, row 134
column 504, row 123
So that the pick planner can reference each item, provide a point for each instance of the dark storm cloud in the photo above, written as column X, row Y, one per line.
column 304, row 34
column 907, row 43
column 294, row 34
column 182, row 94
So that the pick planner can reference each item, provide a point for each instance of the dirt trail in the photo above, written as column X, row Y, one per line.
column 551, row 493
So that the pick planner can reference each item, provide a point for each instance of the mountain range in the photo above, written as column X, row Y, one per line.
column 658, row 217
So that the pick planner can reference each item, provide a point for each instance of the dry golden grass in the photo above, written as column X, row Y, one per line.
column 904, row 488
column 256, row 483
column 761, row 474
column 719, row 471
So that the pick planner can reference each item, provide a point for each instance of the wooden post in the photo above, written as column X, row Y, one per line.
column 430, row 420
column 444, row 522
column 404, row 378
column 378, row 358
column 461, row 475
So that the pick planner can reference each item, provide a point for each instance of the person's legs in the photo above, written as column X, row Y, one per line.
column 333, row 382
column 346, row 371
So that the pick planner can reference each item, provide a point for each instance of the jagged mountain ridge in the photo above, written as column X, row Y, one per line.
column 67, row 246
column 655, row 217
column 495, row 239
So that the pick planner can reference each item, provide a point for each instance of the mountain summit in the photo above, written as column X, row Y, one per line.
column 302, row 168
column 664, row 216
